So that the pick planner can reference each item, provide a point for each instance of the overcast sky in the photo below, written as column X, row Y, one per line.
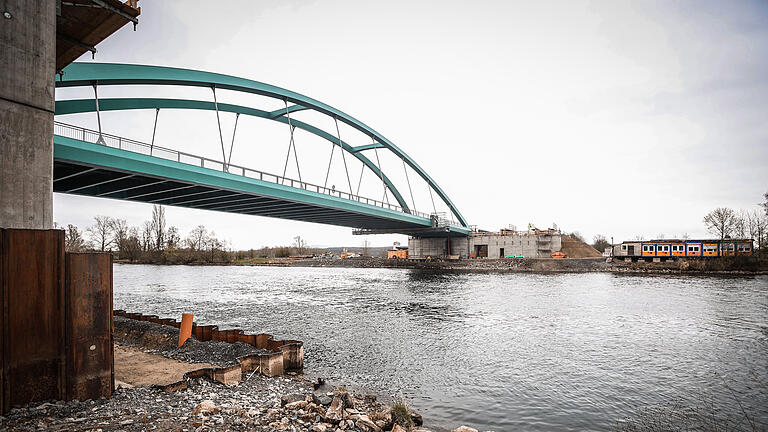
column 618, row 118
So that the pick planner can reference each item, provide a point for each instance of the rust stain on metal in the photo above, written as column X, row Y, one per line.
column 90, row 354
column 32, row 321
column 55, row 320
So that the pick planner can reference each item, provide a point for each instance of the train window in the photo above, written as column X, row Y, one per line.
column 710, row 248
column 692, row 248
column 745, row 248
column 623, row 247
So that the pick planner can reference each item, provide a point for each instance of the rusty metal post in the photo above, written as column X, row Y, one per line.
column 186, row 327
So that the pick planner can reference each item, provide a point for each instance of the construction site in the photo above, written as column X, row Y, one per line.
column 505, row 243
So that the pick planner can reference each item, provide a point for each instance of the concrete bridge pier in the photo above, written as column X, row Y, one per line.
column 27, row 73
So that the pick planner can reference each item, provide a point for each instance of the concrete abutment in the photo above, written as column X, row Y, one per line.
column 27, row 68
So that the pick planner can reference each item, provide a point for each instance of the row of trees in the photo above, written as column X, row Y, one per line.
column 722, row 222
column 727, row 223
column 153, row 241
column 751, row 223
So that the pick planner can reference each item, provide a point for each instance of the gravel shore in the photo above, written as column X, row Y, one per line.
column 240, row 407
column 257, row 403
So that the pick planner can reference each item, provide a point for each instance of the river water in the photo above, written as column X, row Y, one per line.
column 565, row 352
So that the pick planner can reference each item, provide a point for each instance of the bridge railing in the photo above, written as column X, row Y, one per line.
column 92, row 136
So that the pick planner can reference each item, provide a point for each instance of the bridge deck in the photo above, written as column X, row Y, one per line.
column 85, row 168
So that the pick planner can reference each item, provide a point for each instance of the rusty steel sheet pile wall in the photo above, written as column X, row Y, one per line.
column 90, row 352
column 285, row 355
column 55, row 320
column 32, row 280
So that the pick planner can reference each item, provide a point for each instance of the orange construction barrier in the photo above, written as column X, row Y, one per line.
column 186, row 327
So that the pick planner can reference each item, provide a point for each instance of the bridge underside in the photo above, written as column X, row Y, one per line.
column 88, row 169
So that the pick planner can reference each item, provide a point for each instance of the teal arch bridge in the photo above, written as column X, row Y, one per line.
column 93, row 163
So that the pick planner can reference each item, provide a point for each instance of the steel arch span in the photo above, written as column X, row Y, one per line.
column 106, row 74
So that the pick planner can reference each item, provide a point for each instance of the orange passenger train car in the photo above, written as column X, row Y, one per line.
column 664, row 249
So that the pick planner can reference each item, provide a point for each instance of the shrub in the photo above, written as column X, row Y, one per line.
column 401, row 416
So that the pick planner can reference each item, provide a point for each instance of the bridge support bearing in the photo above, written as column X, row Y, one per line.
column 27, row 68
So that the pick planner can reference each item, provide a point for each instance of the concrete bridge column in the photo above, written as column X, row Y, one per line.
column 27, row 73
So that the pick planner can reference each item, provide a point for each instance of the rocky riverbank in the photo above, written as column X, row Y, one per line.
column 715, row 266
column 256, row 403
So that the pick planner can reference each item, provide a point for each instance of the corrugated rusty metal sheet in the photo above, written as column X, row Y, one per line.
column 90, row 354
column 32, row 318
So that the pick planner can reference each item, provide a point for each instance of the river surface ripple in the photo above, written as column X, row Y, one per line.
column 564, row 352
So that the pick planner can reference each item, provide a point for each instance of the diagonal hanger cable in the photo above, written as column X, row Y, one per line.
column 381, row 174
column 413, row 202
column 328, row 171
column 221, row 137
column 359, row 182
column 338, row 135
column 291, row 143
column 154, row 129
column 231, row 146
column 100, row 139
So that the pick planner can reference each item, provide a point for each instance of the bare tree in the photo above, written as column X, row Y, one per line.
column 720, row 222
column 765, row 203
column 101, row 232
column 299, row 244
column 741, row 222
column 158, row 227
column 73, row 239
column 759, row 229
column 600, row 242
column 131, row 248
column 212, row 244
column 197, row 238
column 146, row 236
column 119, row 233
column 173, row 238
